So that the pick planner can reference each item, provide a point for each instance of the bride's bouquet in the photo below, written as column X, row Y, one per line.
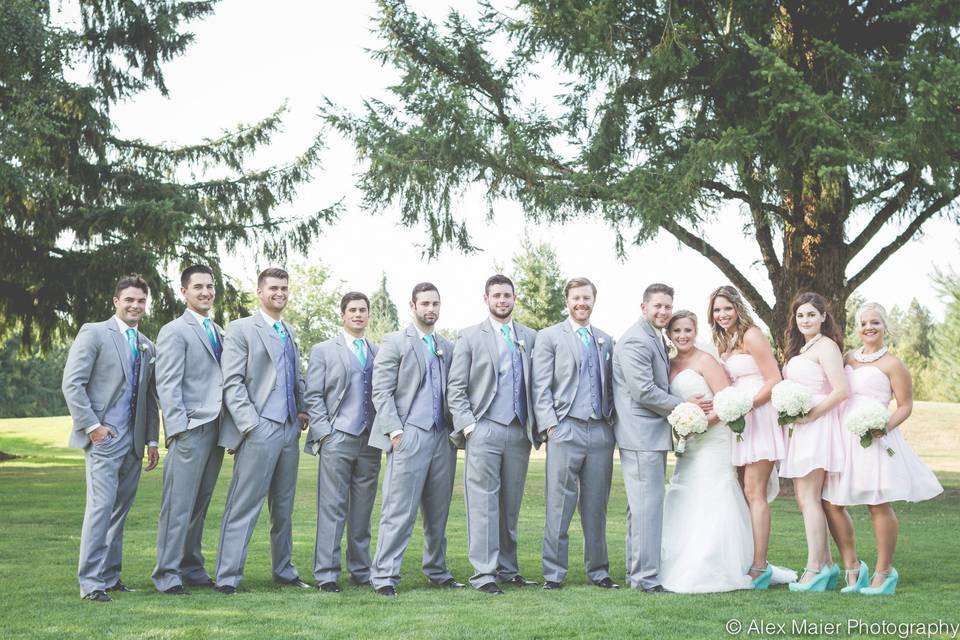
column 792, row 400
column 868, row 419
column 686, row 419
column 732, row 405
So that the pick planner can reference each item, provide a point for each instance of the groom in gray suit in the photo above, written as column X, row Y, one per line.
column 340, row 406
column 572, row 390
column 413, row 427
column 263, row 394
column 190, row 389
column 108, row 383
column 642, row 399
column 490, row 400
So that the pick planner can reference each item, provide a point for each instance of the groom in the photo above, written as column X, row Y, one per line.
column 642, row 400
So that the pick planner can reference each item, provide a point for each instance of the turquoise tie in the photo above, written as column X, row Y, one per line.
column 505, row 332
column 584, row 336
column 361, row 348
column 208, row 325
column 132, row 341
column 278, row 327
column 430, row 343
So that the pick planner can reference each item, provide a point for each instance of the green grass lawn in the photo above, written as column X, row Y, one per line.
column 41, row 508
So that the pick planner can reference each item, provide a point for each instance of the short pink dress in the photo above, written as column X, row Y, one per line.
column 818, row 444
column 869, row 475
column 762, row 436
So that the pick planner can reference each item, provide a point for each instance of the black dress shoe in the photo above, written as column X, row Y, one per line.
column 450, row 583
column 388, row 591
column 119, row 588
column 491, row 588
column 226, row 589
column 519, row 581
column 296, row 582
column 210, row 584
column 97, row 596
column 607, row 583
column 549, row 585
column 176, row 590
column 329, row 587
column 657, row 589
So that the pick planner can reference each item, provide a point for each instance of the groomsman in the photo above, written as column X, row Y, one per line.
column 413, row 427
column 108, row 384
column 642, row 398
column 573, row 395
column 190, row 389
column 262, row 391
column 338, row 401
column 490, row 399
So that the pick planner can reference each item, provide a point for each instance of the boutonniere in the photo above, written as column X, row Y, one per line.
column 601, row 341
column 142, row 347
column 439, row 353
column 671, row 350
column 522, row 344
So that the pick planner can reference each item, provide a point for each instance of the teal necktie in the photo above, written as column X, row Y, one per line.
column 208, row 325
column 584, row 336
column 361, row 348
column 278, row 327
column 132, row 341
column 505, row 332
column 428, row 338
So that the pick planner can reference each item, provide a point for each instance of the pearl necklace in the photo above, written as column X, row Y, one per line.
column 810, row 343
column 865, row 358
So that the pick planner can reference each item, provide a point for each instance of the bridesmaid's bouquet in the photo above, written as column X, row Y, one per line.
column 867, row 421
column 792, row 400
column 686, row 419
column 732, row 405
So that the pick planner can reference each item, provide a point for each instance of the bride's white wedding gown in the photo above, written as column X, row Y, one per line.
column 707, row 537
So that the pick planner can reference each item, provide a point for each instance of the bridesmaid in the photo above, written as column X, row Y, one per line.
column 813, row 359
column 748, row 358
column 869, row 475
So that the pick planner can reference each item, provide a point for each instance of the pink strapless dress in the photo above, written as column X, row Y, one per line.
column 818, row 444
column 869, row 475
column 762, row 436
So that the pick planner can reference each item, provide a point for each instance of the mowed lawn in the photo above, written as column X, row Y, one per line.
column 41, row 509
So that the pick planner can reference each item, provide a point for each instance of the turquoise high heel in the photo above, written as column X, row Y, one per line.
column 762, row 581
column 818, row 584
column 834, row 574
column 863, row 579
column 889, row 586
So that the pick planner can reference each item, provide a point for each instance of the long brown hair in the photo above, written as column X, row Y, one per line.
column 744, row 319
column 792, row 337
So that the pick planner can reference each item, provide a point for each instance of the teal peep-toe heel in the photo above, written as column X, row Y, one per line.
column 889, row 586
column 762, row 581
column 818, row 584
column 863, row 579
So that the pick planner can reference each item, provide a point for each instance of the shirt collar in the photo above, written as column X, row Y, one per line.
column 124, row 326
column 421, row 333
column 496, row 324
column 270, row 321
column 576, row 327
column 349, row 338
column 200, row 318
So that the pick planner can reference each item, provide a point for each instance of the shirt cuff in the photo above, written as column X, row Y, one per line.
column 92, row 428
column 315, row 445
column 467, row 430
column 153, row 443
column 394, row 434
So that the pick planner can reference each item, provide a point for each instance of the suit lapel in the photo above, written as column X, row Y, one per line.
column 144, row 360
column 656, row 337
column 123, row 349
column 573, row 341
column 490, row 343
column 524, row 354
column 346, row 353
column 200, row 332
column 413, row 341
column 269, row 337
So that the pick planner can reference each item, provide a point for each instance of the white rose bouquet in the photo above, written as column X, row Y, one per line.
column 732, row 405
column 686, row 419
column 869, row 421
column 792, row 400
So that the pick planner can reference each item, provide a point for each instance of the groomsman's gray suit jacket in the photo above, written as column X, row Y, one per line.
column 189, row 378
column 641, row 383
column 250, row 349
column 94, row 378
column 397, row 374
column 327, row 380
column 473, row 376
column 556, row 372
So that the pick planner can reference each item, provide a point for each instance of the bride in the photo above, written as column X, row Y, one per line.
column 707, row 534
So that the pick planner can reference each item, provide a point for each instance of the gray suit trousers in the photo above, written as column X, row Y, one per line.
column 579, row 467
column 190, row 473
column 419, row 474
column 265, row 468
column 347, row 477
column 643, row 477
column 495, row 473
column 112, row 473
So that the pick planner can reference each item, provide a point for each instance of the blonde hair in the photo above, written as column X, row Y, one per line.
column 877, row 308
column 744, row 319
column 680, row 315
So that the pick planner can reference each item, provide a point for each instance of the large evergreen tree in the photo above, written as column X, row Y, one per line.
column 81, row 204
column 383, row 313
column 826, row 121
column 314, row 307
column 537, row 276
column 945, row 381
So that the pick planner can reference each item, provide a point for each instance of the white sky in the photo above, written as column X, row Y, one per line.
column 250, row 56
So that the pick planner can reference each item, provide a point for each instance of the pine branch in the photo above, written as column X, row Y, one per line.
column 886, row 213
column 732, row 194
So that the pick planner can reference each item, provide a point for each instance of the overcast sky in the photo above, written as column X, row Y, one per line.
column 251, row 56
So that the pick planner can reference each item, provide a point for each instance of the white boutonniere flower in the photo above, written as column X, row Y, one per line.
column 522, row 344
column 671, row 350
column 142, row 347
column 439, row 353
